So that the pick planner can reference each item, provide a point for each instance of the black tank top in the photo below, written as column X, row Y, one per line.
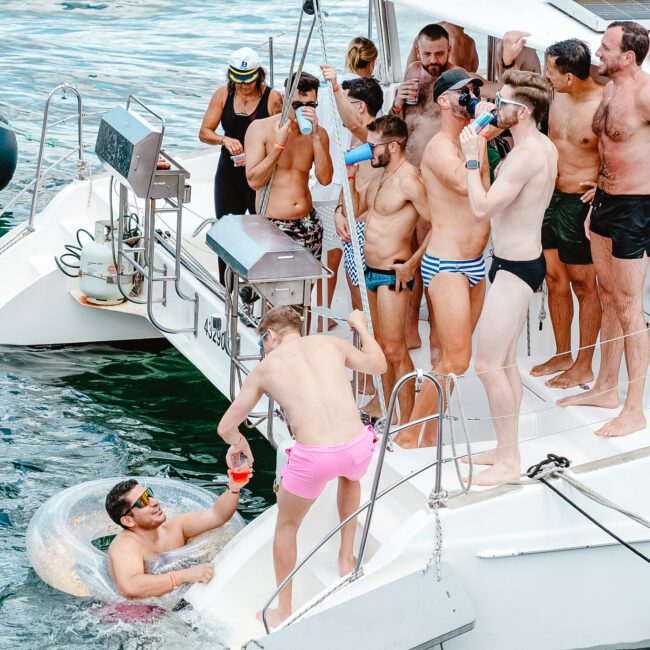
column 234, row 125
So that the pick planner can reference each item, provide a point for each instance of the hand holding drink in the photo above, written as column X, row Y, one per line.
column 240, row 470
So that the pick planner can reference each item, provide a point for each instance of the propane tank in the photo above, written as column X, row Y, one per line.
column 98, row 273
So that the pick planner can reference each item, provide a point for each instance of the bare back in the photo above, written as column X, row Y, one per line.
column 455, row 233
column 622, row 123
column 570, row 130
column 390, row 219
column 290, row 197
column 309, row 379
column 517, row 228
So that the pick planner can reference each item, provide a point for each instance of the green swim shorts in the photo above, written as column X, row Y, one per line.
column 563, row 228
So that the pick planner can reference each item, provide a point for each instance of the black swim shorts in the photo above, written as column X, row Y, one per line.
column 532, row 272
column 564, row 228
column 625, row 219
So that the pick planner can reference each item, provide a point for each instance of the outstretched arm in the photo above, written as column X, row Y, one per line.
column 370, row 358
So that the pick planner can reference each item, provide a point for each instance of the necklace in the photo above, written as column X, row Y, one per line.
column 384, row 177
column 616, row 89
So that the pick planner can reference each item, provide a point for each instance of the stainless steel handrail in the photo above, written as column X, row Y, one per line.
column 375, row 494
column 39, row 164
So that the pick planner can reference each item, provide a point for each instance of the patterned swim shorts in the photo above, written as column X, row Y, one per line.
column 308, row 232
column 348, row 254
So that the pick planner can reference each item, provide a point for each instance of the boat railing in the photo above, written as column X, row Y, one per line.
column 375, row 494
column 82, row 170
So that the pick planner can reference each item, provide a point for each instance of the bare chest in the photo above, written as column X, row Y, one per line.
column 572, row 127
column 617, row 118
column 298, row 154
column 383, row 198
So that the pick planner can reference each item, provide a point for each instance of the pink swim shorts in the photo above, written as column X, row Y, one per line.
column 309, row 468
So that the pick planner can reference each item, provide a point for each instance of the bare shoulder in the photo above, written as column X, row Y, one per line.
column 413, row 68
column 264, row 125
column 438, row 151
column 124, row 542
column 411, row 180
column 644, row 94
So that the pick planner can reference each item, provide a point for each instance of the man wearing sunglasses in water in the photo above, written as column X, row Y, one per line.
column 147, row 533
column 286, row 153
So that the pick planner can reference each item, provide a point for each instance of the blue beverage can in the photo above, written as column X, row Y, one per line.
column 482, row 121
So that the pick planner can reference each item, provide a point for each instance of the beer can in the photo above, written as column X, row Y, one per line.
column 414, row 98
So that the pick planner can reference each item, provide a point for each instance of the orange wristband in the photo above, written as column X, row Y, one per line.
column 397, row 109
column 173, row 579
column 336, row 88
column 351, row 178
column 279, row 147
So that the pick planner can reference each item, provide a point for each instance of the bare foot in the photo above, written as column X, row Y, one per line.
column 571, row 378
column 413, row 340
column 484, row 458
column 372, row 409
column 435, row 354
column 554, row 364
column 273, row 616
column 407, row 439
column 594, row 397
column 331, row 324
column 346, row 564
column 498, row 474
column 366, row 385
column 622, row 425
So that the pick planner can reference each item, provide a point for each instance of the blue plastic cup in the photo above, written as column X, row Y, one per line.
column 358, row 154
column 306, row 126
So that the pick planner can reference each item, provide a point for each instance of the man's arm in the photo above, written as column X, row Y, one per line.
column 132, row 581
column 516, row 171
column 370, row 358
column 323, row 167
column 442, row 160
column 250, row 394
column 221, row 511
column 349, row 116
column 259, row 165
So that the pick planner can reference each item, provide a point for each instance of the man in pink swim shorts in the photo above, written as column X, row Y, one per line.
column 308, row 377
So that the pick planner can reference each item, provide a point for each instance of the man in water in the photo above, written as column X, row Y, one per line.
column 515, row 204
column 307, row 376
column 286, row 155
column 566, row 246
column 147, row 533
column 620, row 225
column 391, row 205
column 453, row 267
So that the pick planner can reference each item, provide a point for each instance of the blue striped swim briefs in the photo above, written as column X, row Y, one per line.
column 473, row 270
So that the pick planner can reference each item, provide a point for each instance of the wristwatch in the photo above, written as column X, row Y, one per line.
column 472, row 164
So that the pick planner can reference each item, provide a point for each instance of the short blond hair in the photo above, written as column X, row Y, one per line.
column 532, row 89
column 280, row 319
column 361, row 54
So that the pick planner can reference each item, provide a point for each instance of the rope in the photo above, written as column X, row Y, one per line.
column 554, row 467
column 347, row 200
column 30, row 138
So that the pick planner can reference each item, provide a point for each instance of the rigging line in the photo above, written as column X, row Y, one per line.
column 288, row 98
column 551, row 408
column 508, row 445
column 347, row 199
column 557, row 354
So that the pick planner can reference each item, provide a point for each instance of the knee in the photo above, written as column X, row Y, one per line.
column 583, row 288
column 485, row 366
column 394, row 351
column 456, row 363
column 557, row 282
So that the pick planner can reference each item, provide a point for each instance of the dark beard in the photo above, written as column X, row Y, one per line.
column 504, row 123
column 382, row 160
column 436, row 69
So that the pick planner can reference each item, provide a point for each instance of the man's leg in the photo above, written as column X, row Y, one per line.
column 334, row 256
column 413, row 340
column 348, row 500
column 291, row 511
column 450, row 296
column 584, row 285
column 501, row 324
column 604, row 392
column 628, row 278
column 560, row 307
column 391, row 309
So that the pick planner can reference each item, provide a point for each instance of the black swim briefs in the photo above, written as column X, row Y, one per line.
column 531, row 272
column 625, row 219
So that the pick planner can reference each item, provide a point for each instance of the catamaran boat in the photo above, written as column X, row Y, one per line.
column 524, row 565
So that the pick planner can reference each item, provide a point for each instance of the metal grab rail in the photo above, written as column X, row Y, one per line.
column 37, row 185
column 375, row 494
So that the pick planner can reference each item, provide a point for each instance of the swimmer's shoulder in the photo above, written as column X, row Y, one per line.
column 125, row 542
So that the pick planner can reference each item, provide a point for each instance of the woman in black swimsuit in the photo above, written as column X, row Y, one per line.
column 245, row 98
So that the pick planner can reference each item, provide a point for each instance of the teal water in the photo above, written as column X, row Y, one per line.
column 73, row 414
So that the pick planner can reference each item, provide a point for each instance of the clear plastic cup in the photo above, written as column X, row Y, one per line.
column 239, row 160
column 240, row 469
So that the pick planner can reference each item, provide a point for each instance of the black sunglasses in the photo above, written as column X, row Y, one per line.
column 296, row 105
